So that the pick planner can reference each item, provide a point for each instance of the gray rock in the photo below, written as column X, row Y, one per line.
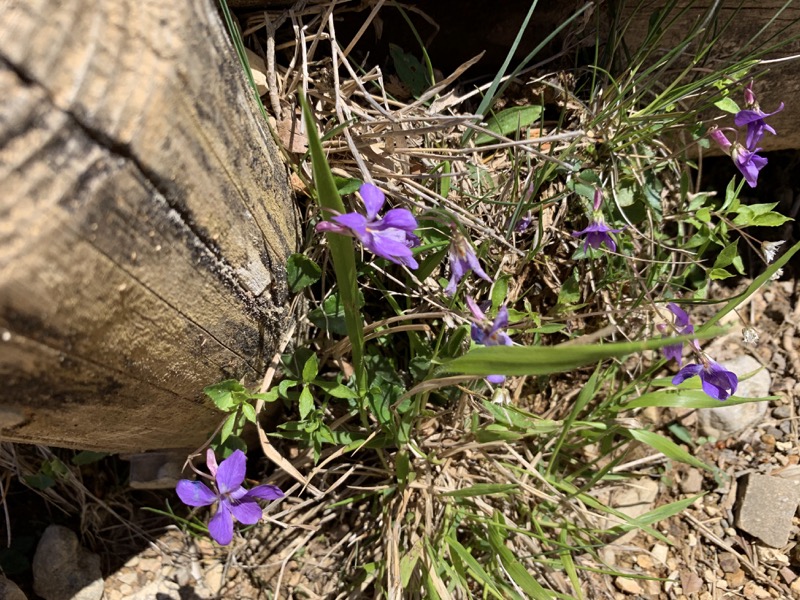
column 766, row 506
column 783, row 411
column 63, row 570
column 10, row 591
column 723, row 421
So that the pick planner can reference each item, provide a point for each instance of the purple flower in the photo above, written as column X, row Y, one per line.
column 682, row 326
column 462, row 261
column 597, row 232
column 748, row 162
column 231, row 498
column 753, row 117
column 391, row 237
column 718, row 382
column 488, row 333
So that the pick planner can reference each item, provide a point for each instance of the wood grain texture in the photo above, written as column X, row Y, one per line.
column 145, row 222
column 734, row 24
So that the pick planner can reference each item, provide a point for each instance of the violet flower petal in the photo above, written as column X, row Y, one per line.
column 681, row 318
column 247, row 512
column 718, row 382
column 475, row 265
column 195, row 493
column 399, row 218
column 477, row 313
column 685, row 373
column 231, row 472
column 220, row 527
column 373, row 200
column 385, row 245
column 265, row 492
column 211, row 462
column 674, row 352
column 355, row 222
column 496, row 379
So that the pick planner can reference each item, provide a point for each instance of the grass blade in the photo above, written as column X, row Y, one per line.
column 342, row 252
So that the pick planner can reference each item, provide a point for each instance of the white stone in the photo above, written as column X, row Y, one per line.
column 723, row 421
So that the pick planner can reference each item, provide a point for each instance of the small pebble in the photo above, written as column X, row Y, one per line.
column 735, row 579
column 660, row 553
column 728, row 562
column 782, row 412
column 629, row 586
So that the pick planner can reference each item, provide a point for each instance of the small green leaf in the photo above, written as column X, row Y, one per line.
column 301, row 272
column 87, row 457
column 346, row 185
column 410, row 70
column 727, row 105
column 224, row 394
column 306, row 402
column 337, row 390
column 249, row 412
column 719, row 274
column 509, row 121
column 727, row 255
column 310, row 369
column 270, row 396
column 227, row 427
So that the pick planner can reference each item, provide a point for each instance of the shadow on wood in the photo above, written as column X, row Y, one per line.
column 145, row 223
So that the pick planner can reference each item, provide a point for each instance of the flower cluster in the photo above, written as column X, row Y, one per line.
column 232, row 499
column 717, row 381
column 392, row 237
column 745, row 157
column 597, row 233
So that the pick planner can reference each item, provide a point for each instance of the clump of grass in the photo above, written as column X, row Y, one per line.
column 451, row 486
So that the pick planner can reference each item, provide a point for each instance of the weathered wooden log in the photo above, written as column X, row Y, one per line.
column 145, row 223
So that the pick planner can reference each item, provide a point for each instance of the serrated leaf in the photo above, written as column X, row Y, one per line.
column 224, row 394
column 301, row 272
column 306, row 402
column 509, row 121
